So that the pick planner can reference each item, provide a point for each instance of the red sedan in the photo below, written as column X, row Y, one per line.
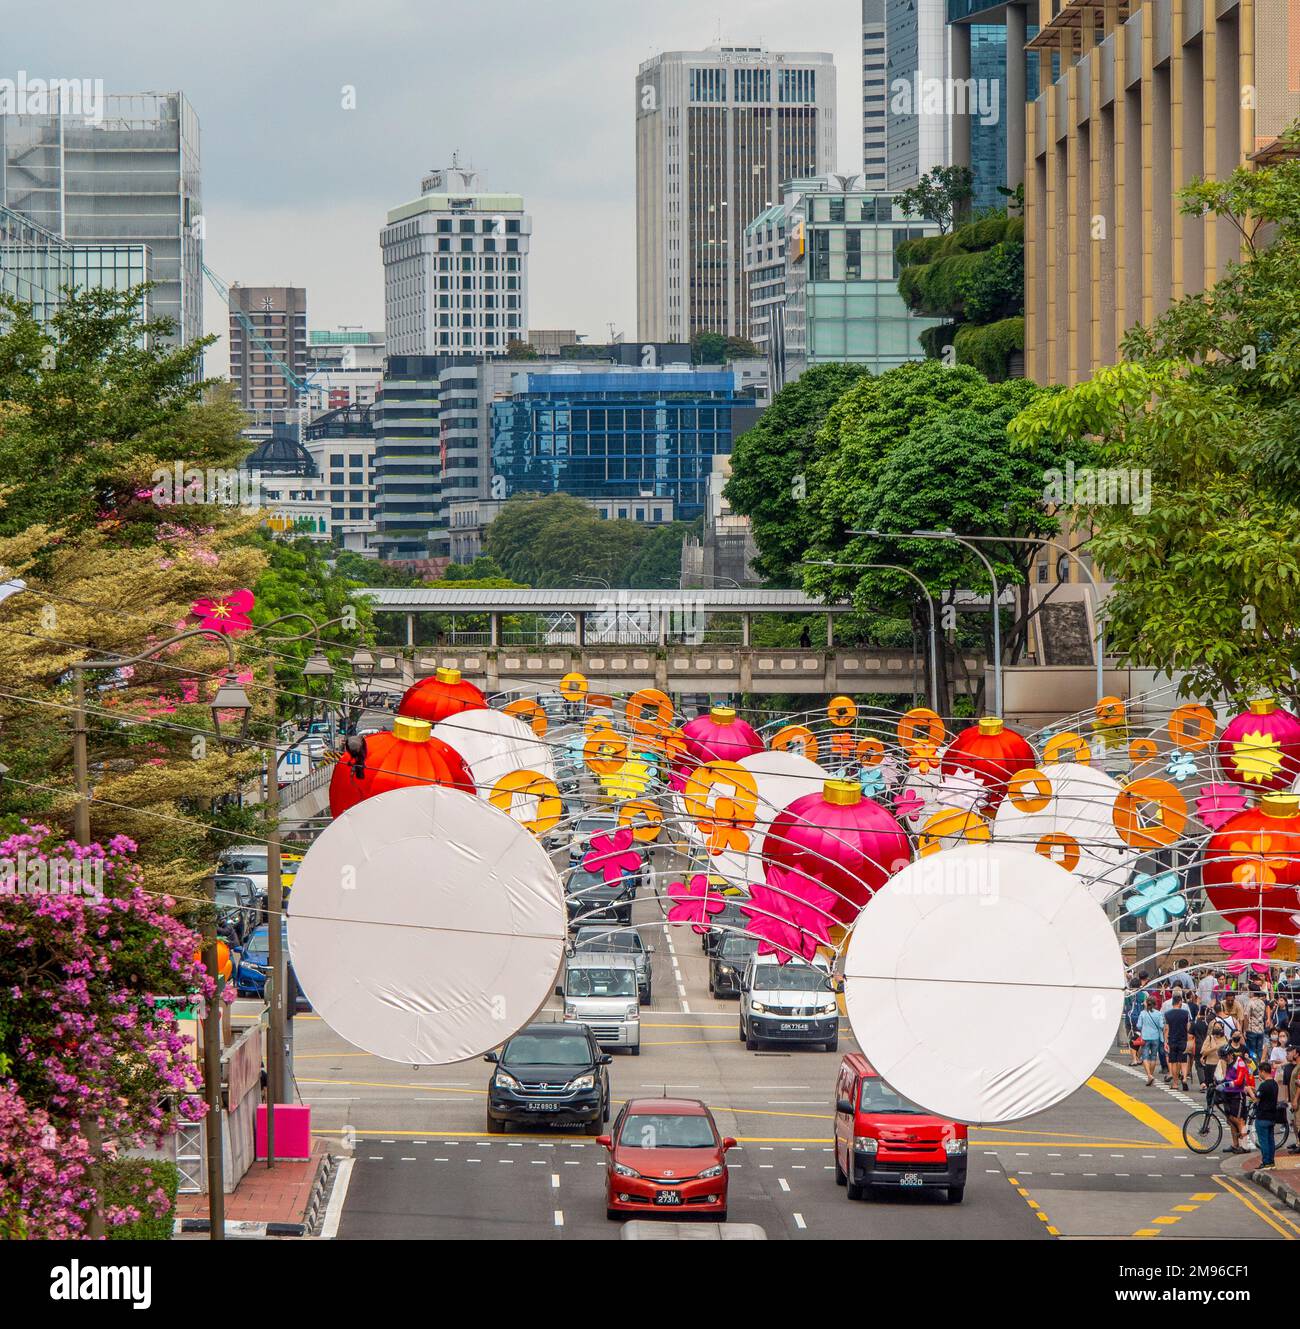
column 666, row 1157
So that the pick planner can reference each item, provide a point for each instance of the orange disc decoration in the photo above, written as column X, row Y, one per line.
column 871, row 752
column 443, row 694
column 1060, row 848
column 573, row 687
column 1066, row 747
column 649, row 729
column 407, row 754
column 1030, row 790
column 921, row 725
column 1143, row 749
column 992, row 753
column 1148, row 832
column 600, row 701
column 1110, row 710
column 842, row 712
column 1193, row 727
column 796, row 736
column 510, row 789
column 596, row 724
column 531, row 713
column 605, row 752
column 951, row 824
column 645, row 819
column 723, row 819
column 1252, row 865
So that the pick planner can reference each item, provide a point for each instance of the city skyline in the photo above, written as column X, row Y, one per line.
column 302, row 205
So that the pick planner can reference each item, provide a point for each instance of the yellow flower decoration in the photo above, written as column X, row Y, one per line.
column 1257, row 757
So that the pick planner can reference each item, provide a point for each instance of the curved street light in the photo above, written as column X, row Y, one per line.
column 929, row 604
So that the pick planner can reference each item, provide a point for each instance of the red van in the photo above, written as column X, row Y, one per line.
column 883, row 1140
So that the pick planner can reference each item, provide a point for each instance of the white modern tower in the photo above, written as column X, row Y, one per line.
column 875, row 96
column 921, row 54
column 717, row 131
column 456, row 269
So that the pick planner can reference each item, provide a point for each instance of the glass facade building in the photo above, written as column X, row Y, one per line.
column 623, row 434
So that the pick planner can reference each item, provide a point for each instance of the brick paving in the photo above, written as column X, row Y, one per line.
column 265, row 1195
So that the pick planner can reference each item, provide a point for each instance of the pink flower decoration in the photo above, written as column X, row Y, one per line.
column 909, row 804
column 613, row 854
column 695, row 902
column 1248, row 946
column 1218, row 802
column 790, row 916
column 226, row 613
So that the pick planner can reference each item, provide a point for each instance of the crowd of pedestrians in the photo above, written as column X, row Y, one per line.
column 1242, row 1045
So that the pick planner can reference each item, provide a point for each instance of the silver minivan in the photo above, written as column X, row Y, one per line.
column 600, row 991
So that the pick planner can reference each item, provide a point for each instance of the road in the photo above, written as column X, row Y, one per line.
column 1108, row 1162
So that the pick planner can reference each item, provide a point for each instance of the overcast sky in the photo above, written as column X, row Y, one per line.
column 536, row 94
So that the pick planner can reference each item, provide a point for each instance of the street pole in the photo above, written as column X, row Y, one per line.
column 275, row 933
column 212, row 1073
column 80, row 761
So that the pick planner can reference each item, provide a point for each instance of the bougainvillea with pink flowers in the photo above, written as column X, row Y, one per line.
column 92, row 1061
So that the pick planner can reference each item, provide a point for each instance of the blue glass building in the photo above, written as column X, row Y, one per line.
column 621, row 434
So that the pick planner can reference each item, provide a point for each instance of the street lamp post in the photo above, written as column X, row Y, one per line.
column 929, row 604
column 979, row 553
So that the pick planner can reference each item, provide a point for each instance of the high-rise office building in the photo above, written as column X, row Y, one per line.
column 1146, row 98
column 875, row 95
column 129, row 180
column 717, row 132
column 918, row 65
column 268, row 329
column 456, row 269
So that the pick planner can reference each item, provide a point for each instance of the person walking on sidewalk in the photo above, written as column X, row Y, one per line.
column 1267, row 1114
column 1291, row 1092
column 1177, row 1026
column 1214, row 1043
column 1256, row 1024
column 1151, row 1028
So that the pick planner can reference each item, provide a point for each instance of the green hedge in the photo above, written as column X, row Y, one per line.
column 990, row 346
column 974, row 236
column 127, row 1181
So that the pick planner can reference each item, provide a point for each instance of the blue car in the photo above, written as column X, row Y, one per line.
column 252, row 963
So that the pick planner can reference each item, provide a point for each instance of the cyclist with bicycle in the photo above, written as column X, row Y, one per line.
column 1234, row 1087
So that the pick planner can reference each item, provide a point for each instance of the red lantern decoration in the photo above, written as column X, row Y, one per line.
column 1252, row 865
column 409, row 755
column 992, row 753
column 1260, row 748
column 840, row 840
column 445, row 693
column 719, row 736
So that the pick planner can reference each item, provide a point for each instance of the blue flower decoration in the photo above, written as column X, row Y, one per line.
column 1181, row 765
column 1157, row 899
column 872, row 780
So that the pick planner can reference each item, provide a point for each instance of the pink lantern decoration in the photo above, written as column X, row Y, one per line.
column 840, row 840
column 1260, row 748
column 719, row 736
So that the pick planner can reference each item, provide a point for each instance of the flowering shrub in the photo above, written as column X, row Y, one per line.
column 139, row 1199
column 90, row 1054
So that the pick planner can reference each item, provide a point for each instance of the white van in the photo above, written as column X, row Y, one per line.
column 600, row 991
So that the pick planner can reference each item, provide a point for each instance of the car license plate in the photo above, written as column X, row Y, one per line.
column 795, row 1027
column 668, row 1197
column 911, row 1179
column 534, row 1106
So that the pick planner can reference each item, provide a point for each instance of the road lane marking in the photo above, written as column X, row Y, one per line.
column 559, row 1218
column 1034, row 1206
column 1231, row 1186
column 555, row 1181
column 1148, row 1116
column 784, row 1185
column 334, row 1210
column 799, row 1223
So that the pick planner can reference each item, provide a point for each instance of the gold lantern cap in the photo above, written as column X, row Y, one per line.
column 990, row 725
column 447, row 675
column 1263, row 706
column 842, row 793
column 1280, row 805
column 723, row 714
column 412, row 729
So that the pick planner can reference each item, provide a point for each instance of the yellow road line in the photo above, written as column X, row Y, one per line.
column 1034, row 1206
column 1148, row 1116
column 555, row 1137
column 1231, row 1187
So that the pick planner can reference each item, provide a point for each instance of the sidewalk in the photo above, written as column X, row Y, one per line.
column 1284, row 1179
column 267, row 1202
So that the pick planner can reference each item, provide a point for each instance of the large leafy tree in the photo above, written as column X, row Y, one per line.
column 1204, row 418
column 771, row 465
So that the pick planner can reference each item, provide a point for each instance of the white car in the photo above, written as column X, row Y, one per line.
column 788, row 1003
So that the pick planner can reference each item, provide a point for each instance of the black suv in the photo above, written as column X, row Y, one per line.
column 590, row 898
column 727, row 963
column 549, row 1074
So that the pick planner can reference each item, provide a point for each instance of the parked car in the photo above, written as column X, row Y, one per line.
column 883, row 1140
column 589, row 897
column 238, row 908
column 253, row 962
column 727, row 963
column 788, row 1003
column 600, row 991
column 600, row 938
column 549, row 1074
column 666, row 1156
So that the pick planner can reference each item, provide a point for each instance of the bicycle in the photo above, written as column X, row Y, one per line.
column 1203, row 1129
